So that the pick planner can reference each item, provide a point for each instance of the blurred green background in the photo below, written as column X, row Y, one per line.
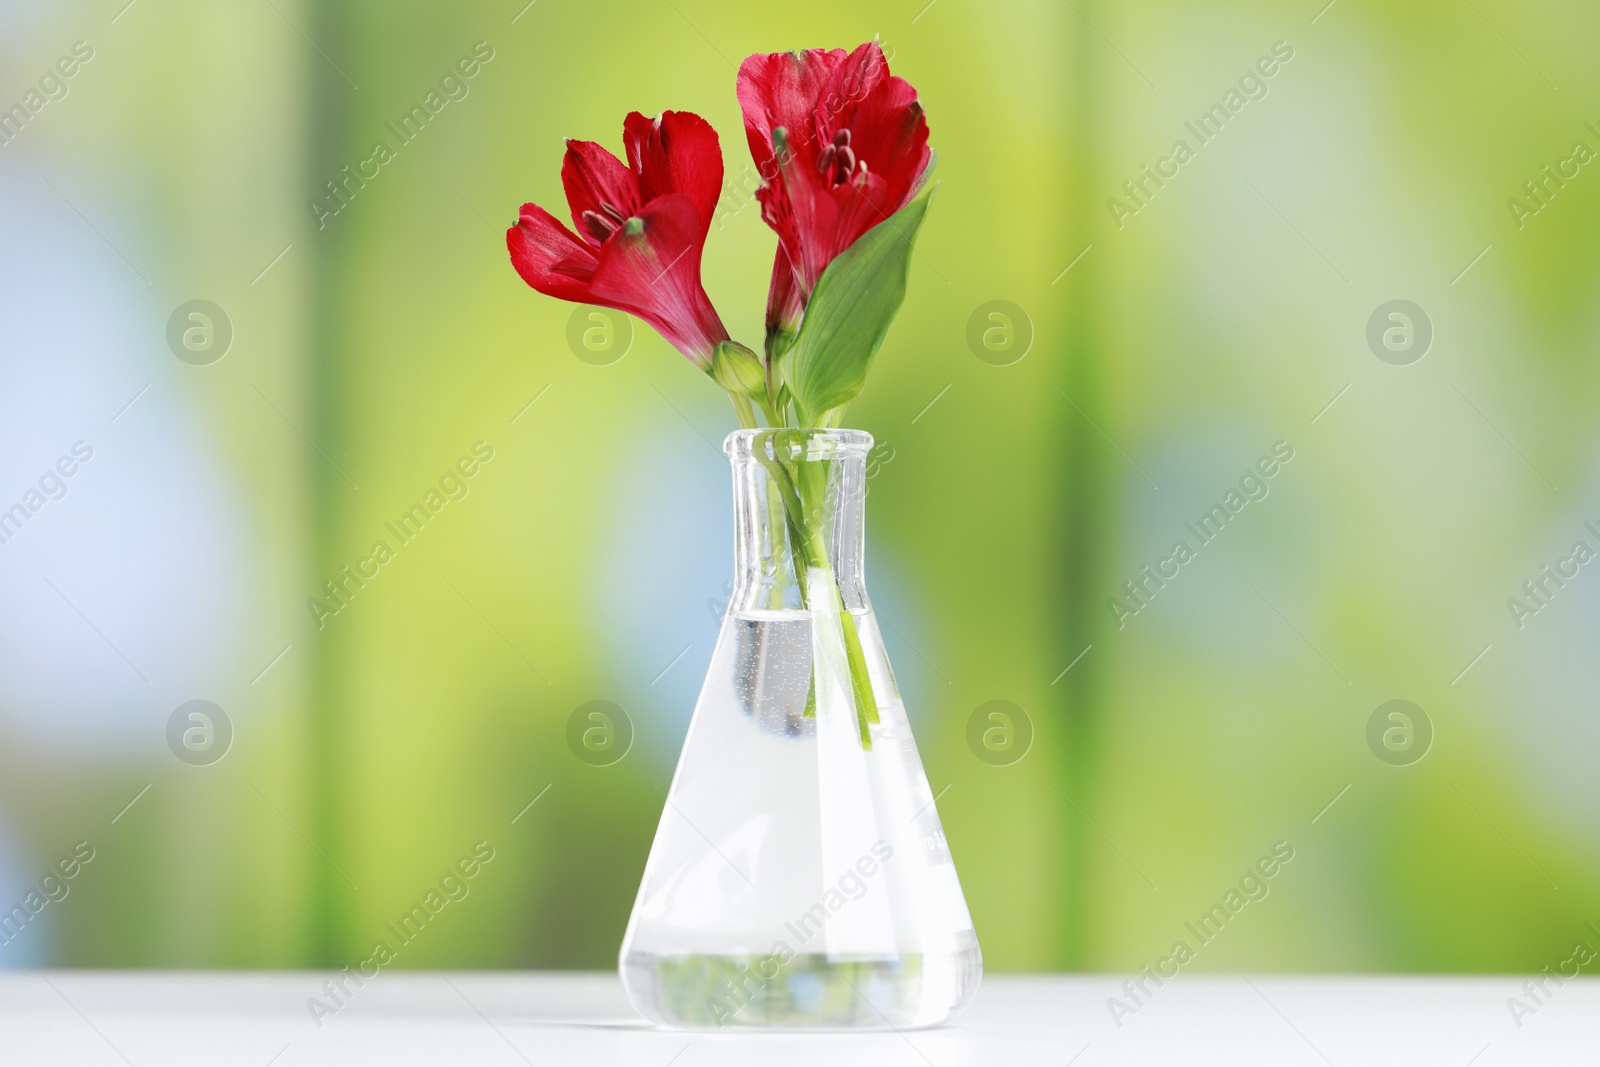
column 1154, row 356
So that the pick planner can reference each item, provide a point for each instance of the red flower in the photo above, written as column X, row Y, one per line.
column 840, row 145
column 641, row 229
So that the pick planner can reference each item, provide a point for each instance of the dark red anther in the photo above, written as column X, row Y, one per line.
column 598, row 225
column 836, row 161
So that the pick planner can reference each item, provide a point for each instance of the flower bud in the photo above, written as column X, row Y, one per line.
column 738, row 370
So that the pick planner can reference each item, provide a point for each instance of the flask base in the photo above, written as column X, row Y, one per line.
column 806, row 991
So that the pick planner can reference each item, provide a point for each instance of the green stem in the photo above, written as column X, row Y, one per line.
column 860, row 678
column 769, row 411
column 774, row 552
column 866, row 703
column 865, row 700
column 746, row 413
column 802, row 490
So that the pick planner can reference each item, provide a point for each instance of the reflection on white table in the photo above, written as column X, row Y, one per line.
column 172, row 1019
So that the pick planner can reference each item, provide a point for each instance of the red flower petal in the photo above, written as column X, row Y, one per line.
column 594, row 179
column 784, row 89
column 654, row 273
column 857, row 150
column 813, row 216
column 860, row 205
column 852, row 82
column 549, row 256
column 891, row 130
column 677, row 152
column 785, row 302
column 643, row 227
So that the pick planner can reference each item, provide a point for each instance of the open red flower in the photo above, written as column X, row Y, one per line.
column 840, row 145
column 640, row 229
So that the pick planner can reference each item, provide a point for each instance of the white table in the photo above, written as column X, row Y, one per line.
column 254, row 1019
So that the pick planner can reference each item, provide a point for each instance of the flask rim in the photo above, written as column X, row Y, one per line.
column 806, row 442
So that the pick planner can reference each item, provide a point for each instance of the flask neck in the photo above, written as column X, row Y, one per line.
column 799, row 511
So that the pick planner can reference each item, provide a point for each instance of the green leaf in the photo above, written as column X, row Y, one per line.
column 848, row 315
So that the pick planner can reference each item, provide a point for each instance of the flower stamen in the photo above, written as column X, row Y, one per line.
column 598, row 225
column 836, row 160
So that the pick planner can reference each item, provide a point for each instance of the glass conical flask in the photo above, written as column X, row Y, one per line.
column 800, row 877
